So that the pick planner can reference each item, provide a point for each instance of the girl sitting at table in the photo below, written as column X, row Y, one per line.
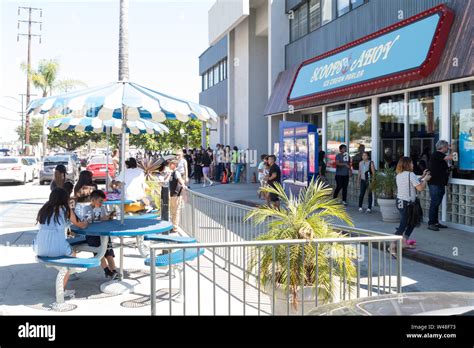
column 95, row 212
column 82, row 192
column 54, row 218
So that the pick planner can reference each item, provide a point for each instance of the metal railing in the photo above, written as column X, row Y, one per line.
column 231, row 268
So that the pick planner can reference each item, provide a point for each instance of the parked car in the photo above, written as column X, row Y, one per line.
column 35, row 163
column 14, row 169
column 74, row 156
column 98, row 166
column 50, row 162
column 414, row 303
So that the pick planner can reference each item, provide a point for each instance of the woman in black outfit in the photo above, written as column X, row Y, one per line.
column 197, row 166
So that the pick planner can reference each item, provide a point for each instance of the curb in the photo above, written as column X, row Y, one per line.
column 445, row 263
column 441, row 262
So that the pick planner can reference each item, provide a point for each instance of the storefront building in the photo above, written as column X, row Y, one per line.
column 394, row 76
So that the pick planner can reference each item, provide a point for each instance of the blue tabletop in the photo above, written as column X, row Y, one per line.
column 118, row 201
column 130, row 228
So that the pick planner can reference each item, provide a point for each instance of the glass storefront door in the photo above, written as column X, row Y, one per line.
column 392, row 128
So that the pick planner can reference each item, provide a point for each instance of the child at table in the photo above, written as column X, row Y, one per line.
column 54, row 218
column 95, row 212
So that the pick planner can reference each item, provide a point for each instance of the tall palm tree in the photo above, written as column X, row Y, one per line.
column 44, row 78
column 124, row 72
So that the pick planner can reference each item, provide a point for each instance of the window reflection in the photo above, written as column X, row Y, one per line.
column 462, row 129
column 423, row 111
column 360, row 131
column 392, row 129
column 336, row 130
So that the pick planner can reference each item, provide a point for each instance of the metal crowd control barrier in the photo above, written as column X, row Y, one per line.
column 224, row 283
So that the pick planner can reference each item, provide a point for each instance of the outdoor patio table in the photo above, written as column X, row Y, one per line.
column 131, row 228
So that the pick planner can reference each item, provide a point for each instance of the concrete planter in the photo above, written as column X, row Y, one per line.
column 309, row 298
column 388, row 209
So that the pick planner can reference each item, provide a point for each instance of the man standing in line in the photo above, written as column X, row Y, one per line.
column 274, row 176
column 343, row 171
column 439, row 168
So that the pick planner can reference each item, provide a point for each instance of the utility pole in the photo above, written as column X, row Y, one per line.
column 23, row 136
column 28, row 67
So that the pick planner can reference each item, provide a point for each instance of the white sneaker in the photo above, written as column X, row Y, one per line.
column 368, row 211
column 344, row 202
column 362, row 210
column 212, row 183
column 203, row 185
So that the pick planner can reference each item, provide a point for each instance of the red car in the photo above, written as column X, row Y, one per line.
column 98, row 166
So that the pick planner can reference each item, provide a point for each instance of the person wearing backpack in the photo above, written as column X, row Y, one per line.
column 366, row 174
column 407, row 185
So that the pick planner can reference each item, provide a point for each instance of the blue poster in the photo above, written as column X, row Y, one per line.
column 466, row 139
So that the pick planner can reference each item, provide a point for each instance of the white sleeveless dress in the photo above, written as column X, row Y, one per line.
column 51, row 238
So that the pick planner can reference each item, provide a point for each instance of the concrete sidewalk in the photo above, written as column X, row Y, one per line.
column 448, row 249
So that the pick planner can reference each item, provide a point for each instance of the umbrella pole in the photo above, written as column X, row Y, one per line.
column 122, row 168
column 107, row 183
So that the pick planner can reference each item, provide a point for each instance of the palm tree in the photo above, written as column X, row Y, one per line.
column 68, row 84
column 124, row 72
column 307, row 216
column 44, row 78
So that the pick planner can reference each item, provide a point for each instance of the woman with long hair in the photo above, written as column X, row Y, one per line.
column 407, row 185
column 82, row 191
column 54, row 217
column 59, row 177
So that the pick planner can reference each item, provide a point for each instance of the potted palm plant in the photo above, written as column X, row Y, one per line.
column 308, row 216
column 385, row 186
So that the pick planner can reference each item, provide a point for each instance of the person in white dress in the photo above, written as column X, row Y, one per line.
column 54, row 217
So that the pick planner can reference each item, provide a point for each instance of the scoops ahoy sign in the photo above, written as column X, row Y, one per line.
column 407, row 50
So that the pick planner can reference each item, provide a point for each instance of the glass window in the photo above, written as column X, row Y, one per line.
column 210, row 74
column 360, row 130
column 216, row 74
column 327, row 14
column 221, row 70
column 356, row 3
column 343, row 6
column 423, row 116
column 294, row 26
column 314, row 14
column 204, row 81
column 225, row 68
column 336, row 132
column 392, row 130
column 462, row 129
column 303, row 20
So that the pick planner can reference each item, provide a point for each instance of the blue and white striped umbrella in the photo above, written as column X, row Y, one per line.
column 113, row 126
column 110, row 101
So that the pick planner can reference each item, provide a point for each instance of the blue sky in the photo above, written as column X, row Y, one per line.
column 166, row 38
